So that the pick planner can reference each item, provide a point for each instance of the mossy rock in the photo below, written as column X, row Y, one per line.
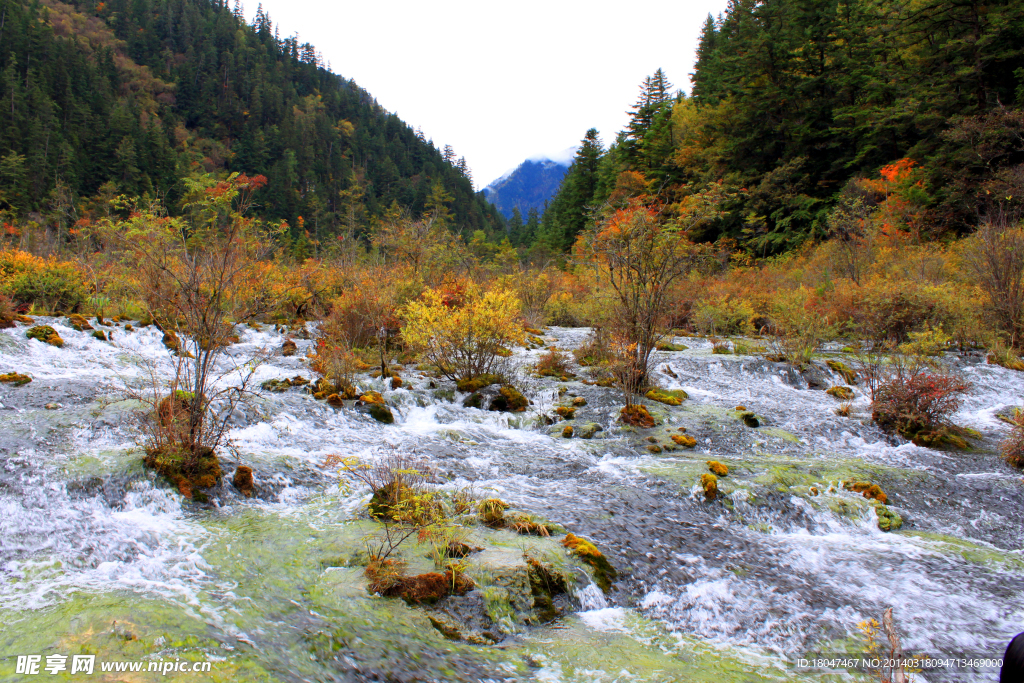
column 79, row 323
column 509, row 400
column 189, row 472
column 604, row 572
column 565, row 412
column 709, row 483
column 666, row 346
column 654, row 448
column 171, row 342
column 15, row 378
column 684, row 440
column 888, row 519
column 491, row 512
column 100, row 335
column 579, row 402
column 381, row 413
column 567, row 432
column 474, row 400
column 289, row 348
column 718, row 469
column 545, row 584
column 868, row 490
column 279, row 385
column 588, row 430
column 849, row 376
column 243, row 480
column 749, row 419
column 636, row 416
column 670, row 398
column 841, row 393
column 372, row 397
column 478, row 383
column 426, row 588
column 45, row 334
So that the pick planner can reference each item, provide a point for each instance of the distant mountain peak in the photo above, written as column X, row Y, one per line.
column 531, row 184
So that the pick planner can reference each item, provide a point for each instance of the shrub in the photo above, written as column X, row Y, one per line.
column 928, row 342
column 46, row 283
column 7, row 312
column 596, row 350
column 1013, row 448
column 464, row 339
column 916, row 400
column 797, row 327
column 554, row 363
column 724, row 316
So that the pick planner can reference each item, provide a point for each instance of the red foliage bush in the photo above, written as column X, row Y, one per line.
column 917, row 400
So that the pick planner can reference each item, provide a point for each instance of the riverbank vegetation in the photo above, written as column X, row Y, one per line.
column 798, row 196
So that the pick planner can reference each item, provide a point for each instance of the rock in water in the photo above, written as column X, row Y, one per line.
column 243, row 480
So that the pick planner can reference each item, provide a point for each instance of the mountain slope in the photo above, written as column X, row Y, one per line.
column 530, row 185
column 132, row 95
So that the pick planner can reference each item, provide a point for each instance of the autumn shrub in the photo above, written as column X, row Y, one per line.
column 995, row 257
column 797, row 327
column 729, row 316
column 1012, row 448
column 595, row 350
column 7, row 312
column 534, row 290
column 553, row 363
column 917, row 399
column 464, row 332
column 50, row 284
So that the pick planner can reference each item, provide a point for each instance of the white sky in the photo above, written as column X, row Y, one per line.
column 501, row 82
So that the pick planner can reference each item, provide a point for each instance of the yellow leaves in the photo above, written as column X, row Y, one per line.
column 463, row 332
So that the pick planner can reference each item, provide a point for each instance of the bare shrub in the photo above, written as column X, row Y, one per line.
column 995, row 255
column 1013, row 447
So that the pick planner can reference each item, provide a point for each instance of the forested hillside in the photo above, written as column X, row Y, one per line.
column 119, row 97
column 791, row 102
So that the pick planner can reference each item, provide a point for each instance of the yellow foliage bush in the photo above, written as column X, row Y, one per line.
column 51, row 284
column 464, row 335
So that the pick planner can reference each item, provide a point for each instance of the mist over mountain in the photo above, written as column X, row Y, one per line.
column 531, row 184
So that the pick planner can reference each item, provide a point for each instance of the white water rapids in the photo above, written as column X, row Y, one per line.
column 771, row 572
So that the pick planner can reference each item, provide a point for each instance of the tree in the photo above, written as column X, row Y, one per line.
column 571, row 208
column 641, row 255
column 198, row 274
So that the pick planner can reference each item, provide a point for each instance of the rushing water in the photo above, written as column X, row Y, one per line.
column 98, row 556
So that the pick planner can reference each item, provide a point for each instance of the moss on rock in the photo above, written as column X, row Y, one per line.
column 243, row 480
column 709, row 483
column 636, row 416
column 478, row 383
column 604, row 572
column 15, row 378
column 684, row 440
column 79, row 323
column 669, row 398
column 848, row 375
column 842, row 393
column 45, row 334
column 717, row 468
column 888, row 519
column 868, row 490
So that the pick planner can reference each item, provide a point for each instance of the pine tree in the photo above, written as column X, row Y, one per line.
column 449, row 155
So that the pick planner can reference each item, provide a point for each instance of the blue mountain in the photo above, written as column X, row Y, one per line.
column 531, row 184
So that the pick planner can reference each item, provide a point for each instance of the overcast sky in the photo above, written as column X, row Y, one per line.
column 501, row 82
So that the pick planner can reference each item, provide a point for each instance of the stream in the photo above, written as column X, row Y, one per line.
column 99, row 556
